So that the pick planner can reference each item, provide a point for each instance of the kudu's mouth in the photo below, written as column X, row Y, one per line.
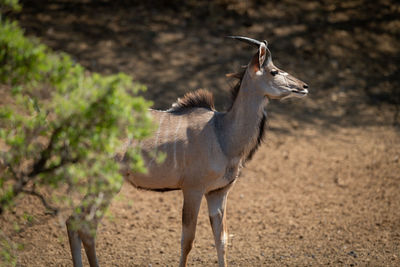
column 298, row 89
column 301, row 92
column 294, row 92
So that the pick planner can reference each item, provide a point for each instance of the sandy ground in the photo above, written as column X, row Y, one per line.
column 324, row 189
column 306, row 199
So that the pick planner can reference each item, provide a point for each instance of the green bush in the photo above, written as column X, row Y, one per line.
column 63, row 124
column 60, row 125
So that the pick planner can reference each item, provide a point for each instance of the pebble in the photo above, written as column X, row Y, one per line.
column 352, row 253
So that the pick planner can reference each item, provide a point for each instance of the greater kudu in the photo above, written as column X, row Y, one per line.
column 204, row 151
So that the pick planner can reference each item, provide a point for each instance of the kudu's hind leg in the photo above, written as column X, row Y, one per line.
column 89, row 243
column 82, row 227
column 74, row 243
column 190, row 211
column 216, row 202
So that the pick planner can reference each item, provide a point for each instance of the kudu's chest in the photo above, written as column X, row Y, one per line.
column 227, row 176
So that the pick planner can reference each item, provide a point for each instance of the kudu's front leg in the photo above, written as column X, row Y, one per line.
column 216, row 202
column 190, row 211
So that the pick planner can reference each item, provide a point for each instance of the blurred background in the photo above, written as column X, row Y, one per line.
column 347, row 51
column 323, row 189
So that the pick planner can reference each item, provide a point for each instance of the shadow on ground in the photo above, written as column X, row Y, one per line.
column 348, row 52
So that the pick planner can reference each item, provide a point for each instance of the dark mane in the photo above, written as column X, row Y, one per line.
column 198, row 99
column 260, row 137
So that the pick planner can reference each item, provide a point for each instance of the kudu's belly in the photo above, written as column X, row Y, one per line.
column 158, row 176
column 154, row 180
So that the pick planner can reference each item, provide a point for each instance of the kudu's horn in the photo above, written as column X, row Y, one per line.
column 247, row 40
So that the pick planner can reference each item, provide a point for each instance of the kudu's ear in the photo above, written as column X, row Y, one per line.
column 259, row 58
column 262, row 53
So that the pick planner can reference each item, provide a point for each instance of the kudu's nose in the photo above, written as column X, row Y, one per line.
column 305, row 86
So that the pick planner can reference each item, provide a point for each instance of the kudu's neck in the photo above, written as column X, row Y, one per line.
column 240, row 125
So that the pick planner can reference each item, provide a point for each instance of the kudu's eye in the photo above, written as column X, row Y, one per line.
column 274, row 72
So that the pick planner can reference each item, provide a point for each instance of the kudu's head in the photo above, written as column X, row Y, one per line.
column 268, row 79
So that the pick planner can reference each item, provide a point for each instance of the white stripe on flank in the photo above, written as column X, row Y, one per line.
column 166, row 135
column 159, row 128
column 166, row 140
column 157, row 135
column 176, row 137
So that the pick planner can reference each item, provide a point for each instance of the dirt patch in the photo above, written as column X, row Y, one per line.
column 323, row 189
column 306, row 199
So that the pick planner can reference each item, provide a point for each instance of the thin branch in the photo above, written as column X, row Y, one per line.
column 62, row 163
column 52, row 210
column 22, row 179
column 37, row 166
column 45, row 155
